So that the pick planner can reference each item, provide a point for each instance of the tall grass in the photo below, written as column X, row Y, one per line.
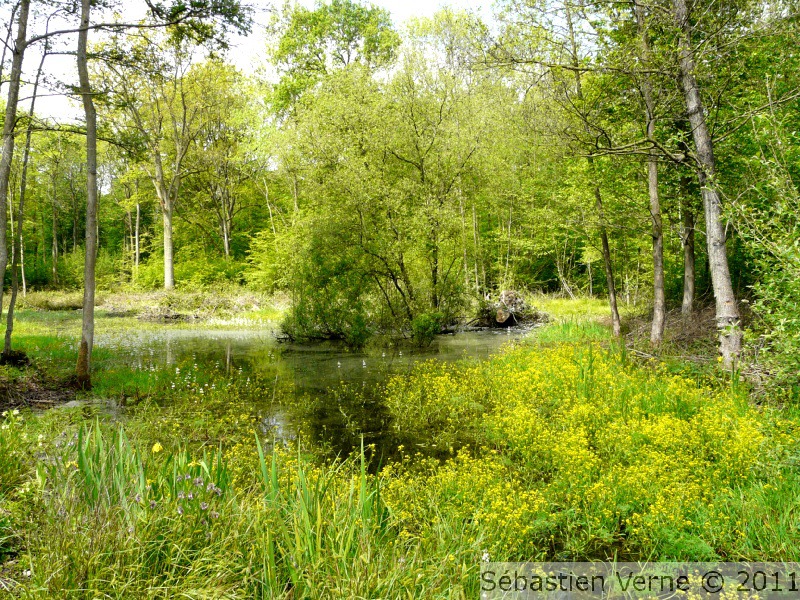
column 115, row 519
column 561, row 448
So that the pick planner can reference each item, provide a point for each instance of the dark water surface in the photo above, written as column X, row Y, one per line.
column 322, row 390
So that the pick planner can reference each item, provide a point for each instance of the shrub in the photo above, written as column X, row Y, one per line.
column 424, row 327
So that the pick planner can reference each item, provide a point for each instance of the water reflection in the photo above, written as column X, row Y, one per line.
column 321, row 390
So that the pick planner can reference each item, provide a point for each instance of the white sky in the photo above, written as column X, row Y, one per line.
column 246, row 53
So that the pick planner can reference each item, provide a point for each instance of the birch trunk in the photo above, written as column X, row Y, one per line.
column 84, row 367
column 687, row 240
column 9, row 123
column 17, row 259
column 727, row 311
column 659, row 299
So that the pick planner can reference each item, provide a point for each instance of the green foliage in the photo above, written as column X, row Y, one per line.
column 334, row 35
column 330, row 298
column 770, row 228
column 267, row 261
column 425, row 326
column 195, row 268
column 107, row 270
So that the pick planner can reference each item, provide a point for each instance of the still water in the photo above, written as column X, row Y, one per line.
column 322, row 389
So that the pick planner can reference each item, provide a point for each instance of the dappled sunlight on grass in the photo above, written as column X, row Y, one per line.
column 579, row 308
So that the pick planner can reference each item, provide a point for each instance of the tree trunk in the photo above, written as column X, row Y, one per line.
column 84, row 368
column 616, row 328
column 23, row 186
column 136, row 239
column 55, row 237
column 727, row 311
column 169, row 260
column 226, row 243
column 74, row 223
column 687, row 240
column 659, row 299
column 477, row 249
column 22, row 268
column 9, row 123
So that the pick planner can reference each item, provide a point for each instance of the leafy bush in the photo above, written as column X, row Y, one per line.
column 108, row 272
column 331, row 298
column 267, row 261
column 768, row 221
column 425, row 326
column 195, row 268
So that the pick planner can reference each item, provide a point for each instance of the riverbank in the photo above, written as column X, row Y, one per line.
column 561, row 447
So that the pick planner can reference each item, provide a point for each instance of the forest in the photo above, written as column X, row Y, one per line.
column 276, row 249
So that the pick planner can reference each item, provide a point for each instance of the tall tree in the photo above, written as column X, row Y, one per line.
column 659, row 295
column 9, row 124
column 162, row 105
column 83, row 370
column 311, row 44
column 727, row 310
column 17, row 261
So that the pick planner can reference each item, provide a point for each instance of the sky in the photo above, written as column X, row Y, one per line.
column 246, row 53
column 403, row 10
column 249, row 52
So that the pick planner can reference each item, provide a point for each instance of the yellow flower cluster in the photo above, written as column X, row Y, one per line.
column 589, row 453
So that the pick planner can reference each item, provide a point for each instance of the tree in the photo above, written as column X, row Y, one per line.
column 163, row 107
column 83, row 371
column 9, row 124
column 727, row 310
column 221, row 158
column 17, row 259
column 195, row 21
column 313, row 43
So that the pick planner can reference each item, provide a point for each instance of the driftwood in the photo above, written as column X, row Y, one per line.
column 508, row 310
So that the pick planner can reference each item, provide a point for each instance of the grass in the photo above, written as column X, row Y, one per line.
column 563, row 447
column 48, row 329
column 581, row 308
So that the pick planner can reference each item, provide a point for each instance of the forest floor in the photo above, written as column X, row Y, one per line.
column 564, row 446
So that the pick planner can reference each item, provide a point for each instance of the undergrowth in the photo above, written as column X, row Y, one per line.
column 559, row 448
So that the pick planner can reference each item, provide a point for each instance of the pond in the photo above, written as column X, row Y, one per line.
column 323, row 389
